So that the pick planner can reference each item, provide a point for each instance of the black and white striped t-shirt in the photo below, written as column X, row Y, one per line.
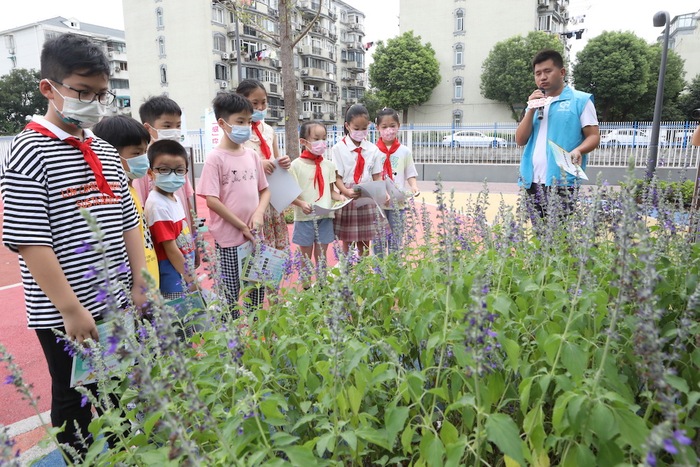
column 45, row 182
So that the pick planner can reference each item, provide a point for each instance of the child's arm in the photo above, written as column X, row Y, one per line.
column 177, row 259
column 305, row 207
column 343, row 189
column 137, row 262
column 225, row 213
column 335, row 196
column 284, row 161
column 47, row 272
column 413, row 184
column 256, row 220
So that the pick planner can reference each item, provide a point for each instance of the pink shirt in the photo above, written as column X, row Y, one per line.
column 236, row 178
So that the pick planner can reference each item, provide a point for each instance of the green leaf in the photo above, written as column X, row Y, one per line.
column 407, row 440
column 448, row 433
column 270, row 410
column 394, row 420
column 351, row 439
column 355, row 398
column 283, row 439
column 325, row 443
column 431, row 449
column 574, row 359
column 633, row 430
column 150, row 422
column 454, row 453
column 512, row 351
column 301, row 455
column 603, row 422
column 503, row 432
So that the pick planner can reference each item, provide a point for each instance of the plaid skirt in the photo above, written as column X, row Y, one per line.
column 353, row 224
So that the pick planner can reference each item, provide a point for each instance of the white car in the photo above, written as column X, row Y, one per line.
column 473, row 139
column 629, row 137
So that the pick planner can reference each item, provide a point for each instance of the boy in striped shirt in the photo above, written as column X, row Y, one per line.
column 55, row 168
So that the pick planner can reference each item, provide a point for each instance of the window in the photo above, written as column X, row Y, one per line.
column 457, row 118
column 459, row 20
column 163, row 74
column 161, row 46
column 217, row 15
column 458, row 94
column 159, row 18
column 221, row 72
column 459, row 55
column 119, row 84
column 219, row 43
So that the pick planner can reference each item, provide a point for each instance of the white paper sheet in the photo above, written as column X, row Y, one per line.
column 283, row 187
column 564, row 161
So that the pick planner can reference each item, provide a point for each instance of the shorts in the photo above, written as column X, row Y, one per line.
column 305, row 233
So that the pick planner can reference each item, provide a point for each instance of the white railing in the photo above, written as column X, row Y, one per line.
column 441, row 144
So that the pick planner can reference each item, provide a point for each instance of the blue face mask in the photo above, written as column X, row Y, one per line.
column 138, row 166
column 259, row 115
column 239, row 134
column 169, row 183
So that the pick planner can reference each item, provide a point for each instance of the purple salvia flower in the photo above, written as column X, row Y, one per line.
column 84, row 247
column 92, row 272
column 83, row 401
column 101, row 296
column 681, row 438
column 9, row 379
column 113, row 342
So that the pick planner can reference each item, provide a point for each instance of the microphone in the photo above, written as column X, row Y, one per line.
column 540, row 110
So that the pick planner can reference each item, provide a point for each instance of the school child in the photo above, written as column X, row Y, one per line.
column 131, row 140
column 264, row 142
column 57, row 167
column 316, row 177
column 357, row 161
column 234, row 185
column 167, row 221
column 397, row 164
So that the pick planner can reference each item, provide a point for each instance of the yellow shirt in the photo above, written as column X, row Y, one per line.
column 149, row 249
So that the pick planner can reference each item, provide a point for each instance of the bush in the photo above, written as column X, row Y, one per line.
column 572, row 342
column 671, row 192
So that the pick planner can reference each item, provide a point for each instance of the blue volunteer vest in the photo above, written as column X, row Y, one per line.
column 564, row 128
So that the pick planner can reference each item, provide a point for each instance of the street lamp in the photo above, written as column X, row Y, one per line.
column 662, row 18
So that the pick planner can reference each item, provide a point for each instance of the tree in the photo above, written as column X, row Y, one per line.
column 19, row 98
column 614, row 67
column 643, row 108
column 690, row 98
column 285, row 40
column 404, row 72
column 507, row 71
column 372, row 102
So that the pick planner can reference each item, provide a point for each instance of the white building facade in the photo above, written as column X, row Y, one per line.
column 462, row 33
column 684, row 39
column 192, row 49
column 23, row 46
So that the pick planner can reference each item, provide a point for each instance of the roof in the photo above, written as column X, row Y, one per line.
column 59, row 22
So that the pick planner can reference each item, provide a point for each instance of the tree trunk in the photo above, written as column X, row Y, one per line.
column 289, row 79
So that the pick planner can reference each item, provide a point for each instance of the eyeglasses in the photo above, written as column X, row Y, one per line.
column 104, row 97
column 167, row 170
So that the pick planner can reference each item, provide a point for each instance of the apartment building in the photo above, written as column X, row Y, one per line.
column 192, row 49
column 23, row 46
column 462, row 33
column 684, row 39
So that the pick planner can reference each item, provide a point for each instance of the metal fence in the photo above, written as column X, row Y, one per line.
column 441, row 144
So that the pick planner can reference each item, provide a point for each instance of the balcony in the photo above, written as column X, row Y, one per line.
column 316, row 73
column 353, row 65
column 357, row 27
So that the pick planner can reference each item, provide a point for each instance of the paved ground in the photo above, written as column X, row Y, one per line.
column 24, row 423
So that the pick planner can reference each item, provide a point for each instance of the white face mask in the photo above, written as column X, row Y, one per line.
column 173, row 134
column 77, row 113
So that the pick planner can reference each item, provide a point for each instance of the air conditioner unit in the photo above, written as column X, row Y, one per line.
column 305, row 94
column 225, row 56
column 223, row 84
column 110, row 54
column 273, row 12
column 304, row 72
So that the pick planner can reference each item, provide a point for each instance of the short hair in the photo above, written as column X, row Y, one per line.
column 387, row 112
column 548, row 54
column 305, row 128
column 156, row 106
column 121, row 131
column 228, row 103
column 355, row 110
column 69, row 54
column 247, row 86
column 166, row 147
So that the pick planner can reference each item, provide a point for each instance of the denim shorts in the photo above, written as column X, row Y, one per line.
column 305, row 234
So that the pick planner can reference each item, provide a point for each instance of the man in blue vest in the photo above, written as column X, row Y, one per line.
column 568, row 118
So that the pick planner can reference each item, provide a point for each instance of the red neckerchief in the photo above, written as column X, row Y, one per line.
column 84, row 146
column 387, row 161
column 318, row 176
column 263, row 144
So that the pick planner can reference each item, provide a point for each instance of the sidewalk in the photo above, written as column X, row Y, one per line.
column 26, row 429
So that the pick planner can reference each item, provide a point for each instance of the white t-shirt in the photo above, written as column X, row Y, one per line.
column 539, row 155
column 344, row 157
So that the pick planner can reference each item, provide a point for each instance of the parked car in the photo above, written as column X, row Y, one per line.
column 473, row 139
column 629, row 137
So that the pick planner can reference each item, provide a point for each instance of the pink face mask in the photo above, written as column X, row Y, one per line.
column 388, row 134
column 318, row 147
column 358, row 135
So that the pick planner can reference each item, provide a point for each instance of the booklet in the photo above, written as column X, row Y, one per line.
column 82, row 373
column 373, row 192
column 186, row 303
column 396, row 196
column 563, row 159
column 321, row 211
column 264, row 264
column 283, row 187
